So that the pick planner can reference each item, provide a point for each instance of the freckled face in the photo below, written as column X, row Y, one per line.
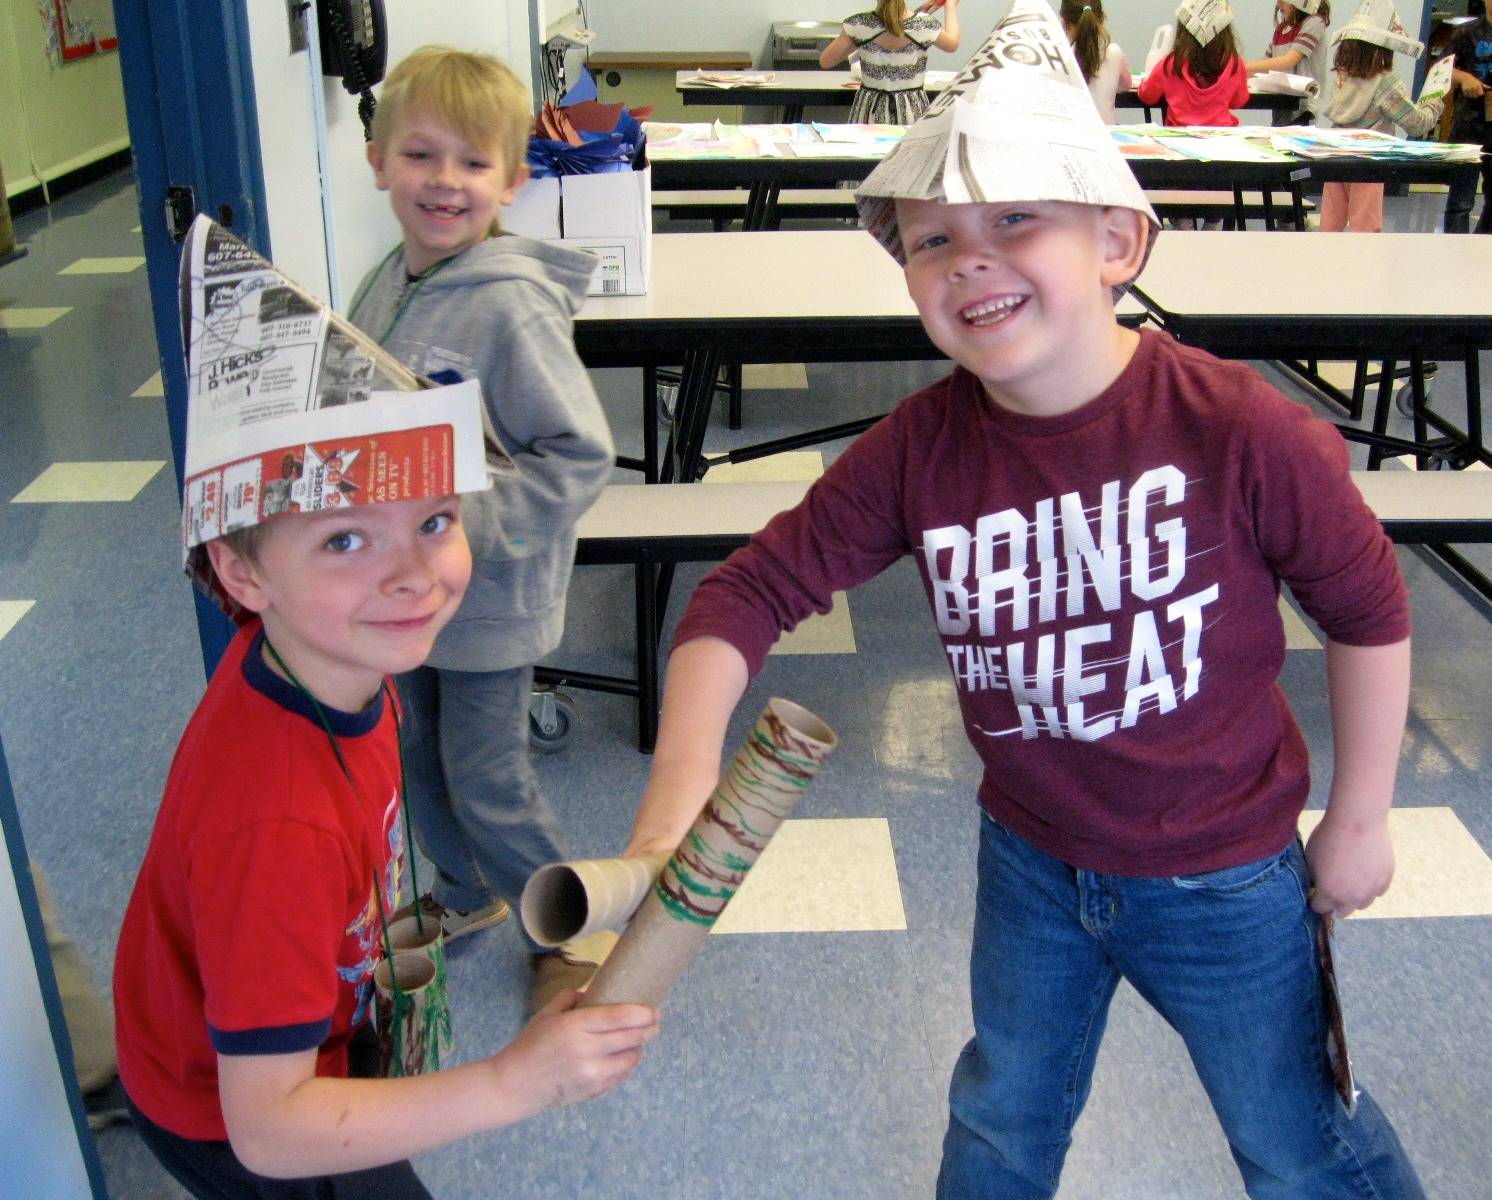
column 351, row 596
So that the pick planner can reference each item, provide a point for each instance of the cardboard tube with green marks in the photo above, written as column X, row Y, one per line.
column 758, row 790
column 569, row 900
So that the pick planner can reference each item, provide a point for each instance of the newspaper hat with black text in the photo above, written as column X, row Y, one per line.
column 1377, row 22
column 1016, row 124
column 292, row 409
column 1204, row 19
column 1309, row 7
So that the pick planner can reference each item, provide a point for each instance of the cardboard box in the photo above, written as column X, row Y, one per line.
column 610, row 214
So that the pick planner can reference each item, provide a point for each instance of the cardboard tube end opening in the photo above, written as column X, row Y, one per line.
column 554, row 907
column 802, row 722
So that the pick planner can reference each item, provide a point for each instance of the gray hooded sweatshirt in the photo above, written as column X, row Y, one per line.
column 503, row 313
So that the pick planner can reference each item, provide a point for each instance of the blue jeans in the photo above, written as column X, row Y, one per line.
column 474, row 802
column 1227, row 958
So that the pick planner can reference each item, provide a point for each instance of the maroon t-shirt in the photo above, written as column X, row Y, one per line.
column 1105, row 585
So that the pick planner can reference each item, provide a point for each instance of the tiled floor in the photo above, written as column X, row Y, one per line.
column 806, row 1054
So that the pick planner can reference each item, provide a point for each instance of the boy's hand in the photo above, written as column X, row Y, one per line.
column 1351, row 865
column 566, row 1054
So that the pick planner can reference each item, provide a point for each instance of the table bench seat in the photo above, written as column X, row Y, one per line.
column 655, row 526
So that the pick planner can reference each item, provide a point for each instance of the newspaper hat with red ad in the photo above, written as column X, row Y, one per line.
column 1016, row 124
column 292, row 409
column 1377, row 22
column 1204, row 19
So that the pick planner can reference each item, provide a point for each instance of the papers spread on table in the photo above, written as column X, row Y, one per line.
column 1239, row 143
column 730, row 79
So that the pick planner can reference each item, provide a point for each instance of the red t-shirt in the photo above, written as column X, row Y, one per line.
column 252, row 928
column 1105, row 586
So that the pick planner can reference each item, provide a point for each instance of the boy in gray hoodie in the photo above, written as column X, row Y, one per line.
column 458, row 299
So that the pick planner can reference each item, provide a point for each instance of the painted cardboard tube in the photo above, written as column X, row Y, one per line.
column 570, row 900
column 757, row 791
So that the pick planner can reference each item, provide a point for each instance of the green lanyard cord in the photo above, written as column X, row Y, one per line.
column 410, row 288
column 383, row 921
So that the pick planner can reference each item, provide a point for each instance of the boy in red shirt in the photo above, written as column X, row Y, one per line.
column 1102, row 520
column 243, row 978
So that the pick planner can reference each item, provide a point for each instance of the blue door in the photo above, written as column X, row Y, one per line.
column 189, row 99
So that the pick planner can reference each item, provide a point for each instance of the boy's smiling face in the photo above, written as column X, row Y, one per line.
column 445, row 191
column 1019, row 294
column 349, row 596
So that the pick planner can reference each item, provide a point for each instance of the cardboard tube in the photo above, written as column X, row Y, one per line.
column 408, row 1017
column 758, row 790
column 425, row 937
column 571, row 900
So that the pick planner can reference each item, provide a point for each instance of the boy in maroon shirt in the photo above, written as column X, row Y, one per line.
column 1102, row 520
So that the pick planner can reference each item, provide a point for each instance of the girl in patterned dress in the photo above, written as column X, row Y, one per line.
column 893, row 46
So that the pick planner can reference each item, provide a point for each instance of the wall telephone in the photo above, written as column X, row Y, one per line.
column 354, row 46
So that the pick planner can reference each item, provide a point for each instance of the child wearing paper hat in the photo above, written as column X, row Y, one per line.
column 1102, row 520
column 1370, row 95
column 243, row 977
column 1298, row 47
column 1202, row 79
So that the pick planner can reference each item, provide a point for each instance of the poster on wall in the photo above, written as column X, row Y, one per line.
column 78, row 28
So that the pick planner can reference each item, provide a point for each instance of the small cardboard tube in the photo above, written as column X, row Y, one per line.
column 568, row 900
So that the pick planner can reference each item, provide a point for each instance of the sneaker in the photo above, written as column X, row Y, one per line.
column 572, row 965
column 458, row 922
column 106, row 1106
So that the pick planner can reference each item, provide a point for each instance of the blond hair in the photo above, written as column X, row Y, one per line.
column 474, row 94
column 892, row 14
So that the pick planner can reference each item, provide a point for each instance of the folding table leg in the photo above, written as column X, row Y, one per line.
column 1380, row 412
column 648, row 699
column 1474, row 404
column 1421, row 427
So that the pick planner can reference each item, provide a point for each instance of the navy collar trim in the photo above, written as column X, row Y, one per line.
column 257, row 675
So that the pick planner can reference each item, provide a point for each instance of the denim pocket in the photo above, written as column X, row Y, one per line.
column 1232, row 880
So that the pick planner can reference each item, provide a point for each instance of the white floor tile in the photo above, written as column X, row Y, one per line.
column 121, row 265
column 821, row 876
column 774, row 376
column 14, row 319
column 88, row 482
column 832, row 633
column 11, row 611
column 1298, row 635
column 152, row 387
column 1441, row 870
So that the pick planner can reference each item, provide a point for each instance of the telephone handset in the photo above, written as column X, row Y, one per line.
column 354, row 46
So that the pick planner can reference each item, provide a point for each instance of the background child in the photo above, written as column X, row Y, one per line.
column 1298, row 47
column 1202, row 79
column 1100, row 57
column 455, row 301
column 243, row 978
column 1369, row 95
column 1102, row 520
column 893, row 46
column 1472, row 47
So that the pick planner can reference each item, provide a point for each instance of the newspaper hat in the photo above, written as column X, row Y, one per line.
column 1309, row 7
column 1016, row 124
column 1204, row 19
column 1378, row 22
column 290, row 408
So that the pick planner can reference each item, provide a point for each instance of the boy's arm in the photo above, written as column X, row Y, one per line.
column 284, row 1121
column 705, row 679
column 1350, row 855
column 548, row 418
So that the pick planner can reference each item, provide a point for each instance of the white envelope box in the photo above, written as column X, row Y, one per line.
column 609, row 214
